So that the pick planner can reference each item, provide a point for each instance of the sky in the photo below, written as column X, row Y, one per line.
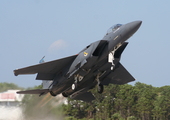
column 32, row 29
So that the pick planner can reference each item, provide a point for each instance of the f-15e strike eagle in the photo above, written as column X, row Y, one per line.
column 97, row 64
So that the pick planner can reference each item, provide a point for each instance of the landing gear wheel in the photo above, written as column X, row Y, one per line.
column 74, row 86
column 52, row 94
column 100, row 88
column 64, row 94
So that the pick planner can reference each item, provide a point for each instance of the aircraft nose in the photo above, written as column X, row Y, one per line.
column 134, row 26
column 131, row 28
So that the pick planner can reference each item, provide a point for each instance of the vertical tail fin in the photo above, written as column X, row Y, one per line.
column 42, row 60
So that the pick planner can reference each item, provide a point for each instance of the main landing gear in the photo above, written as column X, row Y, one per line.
column 100, row 87
column 77, row 79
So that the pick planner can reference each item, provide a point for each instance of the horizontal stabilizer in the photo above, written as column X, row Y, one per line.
column 83, row 95
column 49, row 68
column 119, row 76
column 37, row 91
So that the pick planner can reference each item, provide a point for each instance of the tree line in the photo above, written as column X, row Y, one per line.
column 9, row 86
column 123, row 102
column 117, row 102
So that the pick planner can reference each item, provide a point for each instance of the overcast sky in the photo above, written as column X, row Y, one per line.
column 31, row 29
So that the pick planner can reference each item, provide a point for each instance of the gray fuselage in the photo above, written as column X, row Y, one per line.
column 92, row 61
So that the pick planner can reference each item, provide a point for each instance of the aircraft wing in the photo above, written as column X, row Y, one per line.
column 46, row 69
column 119, row 76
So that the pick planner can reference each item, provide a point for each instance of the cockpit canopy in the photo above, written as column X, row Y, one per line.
column 113, row 28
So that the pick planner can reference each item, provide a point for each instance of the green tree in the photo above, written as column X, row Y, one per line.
column 146, row 96
column 162, row 104
column 125, row 101
column 120, row 102
column 9, row 86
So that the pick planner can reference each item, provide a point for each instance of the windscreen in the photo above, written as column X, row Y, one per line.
column 113, row 28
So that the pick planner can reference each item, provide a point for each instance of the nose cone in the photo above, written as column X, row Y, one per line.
column 131, row 28
column 134, row 26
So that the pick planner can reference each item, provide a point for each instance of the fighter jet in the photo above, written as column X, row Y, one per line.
column 96, row 65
